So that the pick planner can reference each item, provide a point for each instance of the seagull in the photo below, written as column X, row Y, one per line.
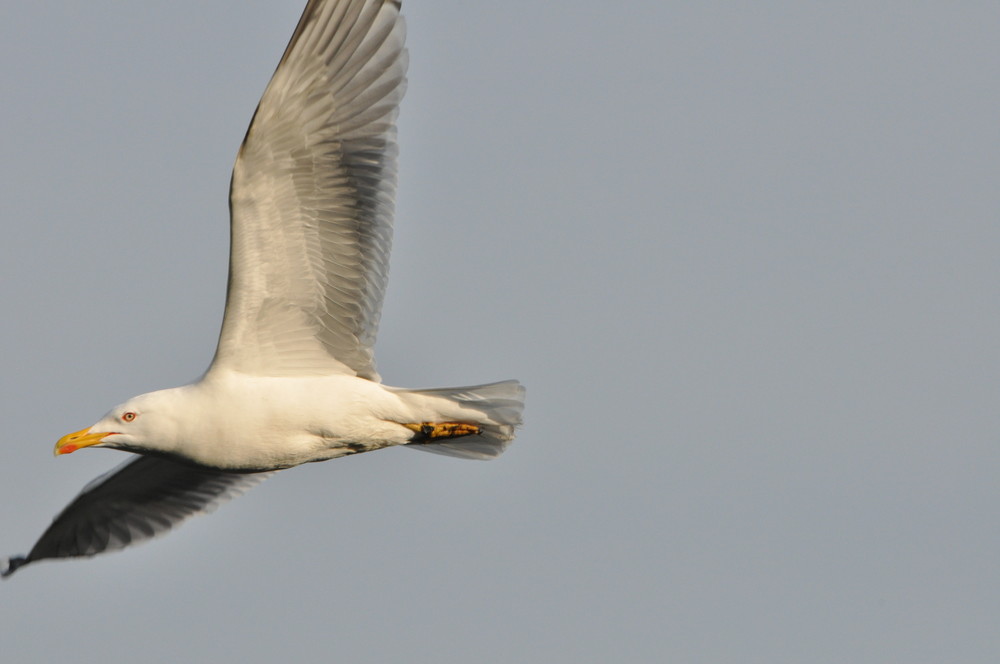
column 293, row 378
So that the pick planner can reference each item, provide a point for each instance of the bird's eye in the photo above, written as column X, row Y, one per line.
column 128, row 417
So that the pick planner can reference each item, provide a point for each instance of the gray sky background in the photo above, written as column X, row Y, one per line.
column 745, row 259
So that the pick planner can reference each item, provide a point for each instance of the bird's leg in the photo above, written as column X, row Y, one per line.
column 428, row 432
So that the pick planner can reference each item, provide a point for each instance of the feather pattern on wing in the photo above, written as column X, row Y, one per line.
column 138, row 500
column 312, row 198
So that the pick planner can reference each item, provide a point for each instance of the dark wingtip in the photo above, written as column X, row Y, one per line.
column 11, row 564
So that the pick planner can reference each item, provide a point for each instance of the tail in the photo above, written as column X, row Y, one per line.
column 495, row 407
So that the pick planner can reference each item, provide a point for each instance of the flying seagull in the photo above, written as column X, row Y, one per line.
column 293, row 379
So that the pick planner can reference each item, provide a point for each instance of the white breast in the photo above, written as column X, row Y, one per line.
column 255, row 422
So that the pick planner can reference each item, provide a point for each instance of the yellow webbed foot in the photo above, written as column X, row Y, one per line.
column 433, row 431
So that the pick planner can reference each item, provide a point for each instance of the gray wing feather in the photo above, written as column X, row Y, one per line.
column 312, row 198
column 142, row 498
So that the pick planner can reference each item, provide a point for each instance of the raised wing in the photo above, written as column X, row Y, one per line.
column 312, row 198
column 142, row 498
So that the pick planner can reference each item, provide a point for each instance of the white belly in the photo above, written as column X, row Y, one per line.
column 261, row 423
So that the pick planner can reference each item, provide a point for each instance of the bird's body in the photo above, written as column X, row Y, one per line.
column 293, row 379
column 239, row 422
column 257, row 423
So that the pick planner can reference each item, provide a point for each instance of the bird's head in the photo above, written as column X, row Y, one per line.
column 134, row 426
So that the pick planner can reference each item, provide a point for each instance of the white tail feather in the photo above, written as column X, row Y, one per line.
column 495, row 407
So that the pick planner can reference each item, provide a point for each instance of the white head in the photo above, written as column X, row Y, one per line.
column 144, row 423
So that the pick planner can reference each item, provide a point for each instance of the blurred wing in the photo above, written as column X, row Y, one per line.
column 142, row 498
column 312, row 198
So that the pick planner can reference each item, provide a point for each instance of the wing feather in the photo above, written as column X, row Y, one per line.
column 142, row 498
column 312, row 198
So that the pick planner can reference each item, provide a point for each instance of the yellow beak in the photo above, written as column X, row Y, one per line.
column 74, row 441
